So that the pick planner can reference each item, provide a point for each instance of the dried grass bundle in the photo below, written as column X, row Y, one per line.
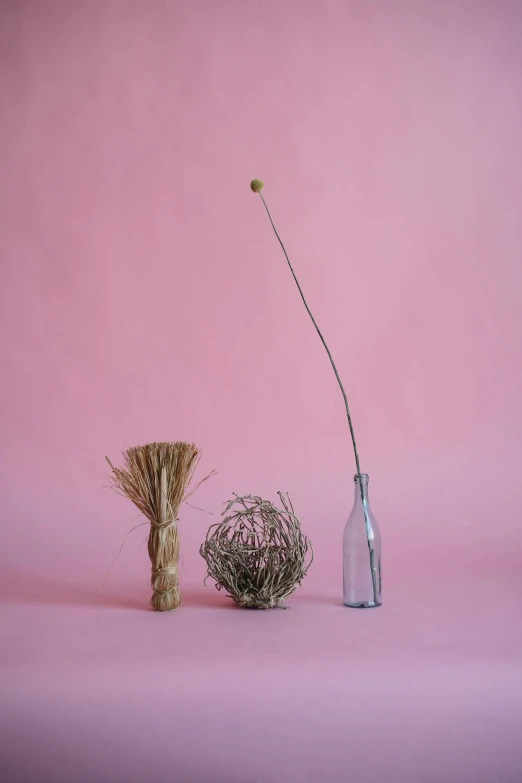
column 156, row 477
column 258, row 553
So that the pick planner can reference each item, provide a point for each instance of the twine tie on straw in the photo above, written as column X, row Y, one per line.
column 167, row 571
column 163, row 525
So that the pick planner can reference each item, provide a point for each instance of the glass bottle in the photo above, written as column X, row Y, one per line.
column 361, row 553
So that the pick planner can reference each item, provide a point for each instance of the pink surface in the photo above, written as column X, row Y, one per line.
column 428, row 689
column 144, row 297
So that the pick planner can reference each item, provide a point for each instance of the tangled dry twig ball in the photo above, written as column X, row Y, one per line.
column 258, row 553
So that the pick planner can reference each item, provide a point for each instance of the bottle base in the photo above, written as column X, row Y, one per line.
column 363, row 605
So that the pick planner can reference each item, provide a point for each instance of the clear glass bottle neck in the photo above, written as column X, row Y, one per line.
column 357, row 500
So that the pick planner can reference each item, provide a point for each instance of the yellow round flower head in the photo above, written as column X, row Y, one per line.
column 256, row 185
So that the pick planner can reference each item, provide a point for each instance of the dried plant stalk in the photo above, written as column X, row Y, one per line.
column 156, row 477
column 257, row 186
column 258, row 553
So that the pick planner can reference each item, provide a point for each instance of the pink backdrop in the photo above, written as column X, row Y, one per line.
column 144, row 297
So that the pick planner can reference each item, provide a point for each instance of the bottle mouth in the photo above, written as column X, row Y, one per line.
column 364, row 476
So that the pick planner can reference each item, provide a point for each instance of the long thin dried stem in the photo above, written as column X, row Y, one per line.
column 345, row 398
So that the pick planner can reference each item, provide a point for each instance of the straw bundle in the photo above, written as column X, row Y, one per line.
column 258, row 553
column 156, row 477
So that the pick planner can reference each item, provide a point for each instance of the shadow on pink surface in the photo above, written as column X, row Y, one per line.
column 28, row 589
